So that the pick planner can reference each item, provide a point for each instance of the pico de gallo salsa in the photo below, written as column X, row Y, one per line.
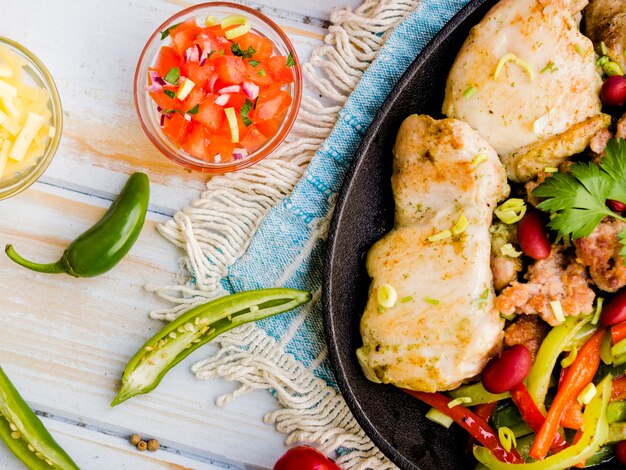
column 220, row 88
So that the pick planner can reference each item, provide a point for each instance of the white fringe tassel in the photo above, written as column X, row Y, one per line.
column 217, row 228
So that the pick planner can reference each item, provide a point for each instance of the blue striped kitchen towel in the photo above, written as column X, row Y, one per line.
column 288, row 247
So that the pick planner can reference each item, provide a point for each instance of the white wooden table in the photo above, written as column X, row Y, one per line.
column 64, row 342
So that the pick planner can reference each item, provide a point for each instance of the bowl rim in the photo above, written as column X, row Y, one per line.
column 57, row 120
column 265, row 149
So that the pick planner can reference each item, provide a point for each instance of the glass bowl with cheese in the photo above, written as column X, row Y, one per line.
column 31, row 118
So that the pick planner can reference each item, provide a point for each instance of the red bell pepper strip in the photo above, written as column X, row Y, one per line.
column 618, row 390
column 471, row 422
column 618, row 332
column 485, row 410
column 532, row 414
column 579, row 374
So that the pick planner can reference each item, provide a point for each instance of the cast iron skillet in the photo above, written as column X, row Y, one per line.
column 364, row 212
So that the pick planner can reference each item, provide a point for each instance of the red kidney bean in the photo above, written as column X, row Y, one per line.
column 613, row 91
column 616, row 206
column 614, row 311
column 532, row 236
column 507, row 370
column 620, row 452
column 305, row 458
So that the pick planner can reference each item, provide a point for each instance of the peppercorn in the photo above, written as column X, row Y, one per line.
column 134, row 439
column 153, row 445
column 142, row 445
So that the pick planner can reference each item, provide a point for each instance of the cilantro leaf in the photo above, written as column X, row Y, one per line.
column 254, row 63
column 172, row 76
column 577, row 199
column 169, row 93
column 614, row 164
column 167, row 32
column 194, row 110
column 245, row 109
column 290, row 60
column 247, row 54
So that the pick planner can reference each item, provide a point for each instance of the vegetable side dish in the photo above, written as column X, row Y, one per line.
column 25, row 120
column 520, row 283
column 220, row 88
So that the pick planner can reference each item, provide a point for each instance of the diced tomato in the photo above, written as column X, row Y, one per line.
column 252, row 74
column 199, row 74
column 236, row 100
column 164, row 101
column 253, row 139
column 221, row 143
column 197, row 142
column 167, row 59
column 210, row 114
column 230, row 69
column 184, row 35
column 272, row 104
column 207, row 41
column 277, row 67
column 263, row 46
column 176, row 127
column 270, row 127
column 216, row 29
column 196, row 96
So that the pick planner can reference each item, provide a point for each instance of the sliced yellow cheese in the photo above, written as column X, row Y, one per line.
column 33, row 123
column 9, row 124
column 7, row 91
column 6, row 71
column 4, row 155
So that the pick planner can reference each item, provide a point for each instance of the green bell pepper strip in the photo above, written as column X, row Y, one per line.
column 477, row 393
column 552, row 346
column 595, row 435
column 102, row 246
column 616, row 411
column 25, row 435
column 199, row 326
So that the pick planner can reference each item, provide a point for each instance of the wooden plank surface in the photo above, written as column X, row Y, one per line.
column 66, row 341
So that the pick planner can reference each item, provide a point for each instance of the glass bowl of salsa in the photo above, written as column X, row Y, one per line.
column 217, row 87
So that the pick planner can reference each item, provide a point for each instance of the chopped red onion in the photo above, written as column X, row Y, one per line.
column 222, row 40
column 251, row 90
column 222, row 100
column 162, row 120
column 212, row 81
column 240, row 154
column 229, row 89
column 192, row 54
column 154, row 76
column 156, row 85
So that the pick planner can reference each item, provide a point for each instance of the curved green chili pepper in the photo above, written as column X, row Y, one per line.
column 26, row 436
column 596, row 431
column 199, row 326
column 102, row 246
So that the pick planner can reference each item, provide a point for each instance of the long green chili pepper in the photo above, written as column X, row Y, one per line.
column 477, row 394
column 26, row 436
column 196, row 327
column 102, row 246
column 596, row 430
column 552, row 346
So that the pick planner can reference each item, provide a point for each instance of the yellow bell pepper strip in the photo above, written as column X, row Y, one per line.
column 552, row 346
column 595, row 435
column 579, row 374
column 477, row 393
column 469, row 421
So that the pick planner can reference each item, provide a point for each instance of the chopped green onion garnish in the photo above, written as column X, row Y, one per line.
column 440, row 236
column 261, row 73
column 478, row 159
column 510, row 251
column 507, row 438
column 406, row 299
column 460, row 226
column 551, row 169
column 387, row 296
column 380, row 309
column 290, row 60
column 549, row 68
column 510, row 317
column 185, row 89
column 210, row 20
column 431, row 301
column 557, row 309
column 603, row 48
column 601, row 62
column 510, row 57
column 172, row 76
column 587, row 394
column 243, row 26
column 596, row 315
column 459, row 401
column 438, row 417
column 578, row 49
column 612, row 68
column 569, row 360
column 511, row 211
column 471, row 91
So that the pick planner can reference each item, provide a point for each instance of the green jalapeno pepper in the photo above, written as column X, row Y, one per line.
column 102, row 246
column 196, row 327
column 596, row 431
column 26, row 436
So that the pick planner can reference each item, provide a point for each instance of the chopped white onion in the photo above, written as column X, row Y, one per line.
column 230, row 89
column 251, row 90
column 212, row 81
column 222, row 100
